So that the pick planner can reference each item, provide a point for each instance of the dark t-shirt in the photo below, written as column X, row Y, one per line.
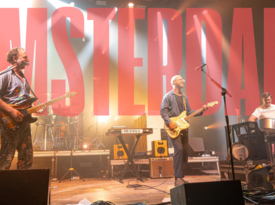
column 180, row 102
column 12, row 89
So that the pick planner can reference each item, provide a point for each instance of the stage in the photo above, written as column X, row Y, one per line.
column 94, row 189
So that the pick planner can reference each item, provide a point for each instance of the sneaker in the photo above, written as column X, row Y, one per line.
column 178, row 182
column 184, row 181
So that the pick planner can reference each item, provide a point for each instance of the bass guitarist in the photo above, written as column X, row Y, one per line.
column 15, row 90
column 173, row 104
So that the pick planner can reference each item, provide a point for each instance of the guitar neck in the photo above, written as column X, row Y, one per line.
column 39, row 107
column 193, row 114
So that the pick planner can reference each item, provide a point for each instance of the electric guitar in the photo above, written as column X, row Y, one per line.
column 26, row 109
column 182, row 123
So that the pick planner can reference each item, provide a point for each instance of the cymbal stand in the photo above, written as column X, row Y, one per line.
column 70, row 170
column 97, row 141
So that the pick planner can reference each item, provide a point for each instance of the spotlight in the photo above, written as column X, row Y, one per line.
column 205, row 128
column 131, row 5
column 85, row 146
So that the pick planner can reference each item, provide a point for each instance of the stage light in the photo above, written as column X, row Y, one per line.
column 116, row 9
column 131, row 5
column 83, row 39
column 102, row 119
column 85, row 146
column 205, row 128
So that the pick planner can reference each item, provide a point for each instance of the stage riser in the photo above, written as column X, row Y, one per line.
column 87, row 166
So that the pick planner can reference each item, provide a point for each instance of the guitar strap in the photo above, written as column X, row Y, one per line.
column 184, row 103
column 32, row 90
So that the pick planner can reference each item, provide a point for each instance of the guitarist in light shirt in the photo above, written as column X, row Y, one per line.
column 14, row 89
column 173, row 104
column 266, row 110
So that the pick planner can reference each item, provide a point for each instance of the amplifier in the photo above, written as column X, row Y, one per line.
column 119, row 152
column 161, row 167
column 159, row 148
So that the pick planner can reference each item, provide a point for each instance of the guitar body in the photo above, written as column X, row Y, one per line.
column 181, row 123
column 26, row 109
column 10, row 123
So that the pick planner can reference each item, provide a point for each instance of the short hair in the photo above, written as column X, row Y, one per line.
column 266, row 95
column 173, row 79
column 13, row 52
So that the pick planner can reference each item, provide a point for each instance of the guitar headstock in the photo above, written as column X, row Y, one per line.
column 211, row 104
column 71, row 94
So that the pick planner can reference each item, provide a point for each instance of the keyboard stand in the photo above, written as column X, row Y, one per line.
column 130, row 163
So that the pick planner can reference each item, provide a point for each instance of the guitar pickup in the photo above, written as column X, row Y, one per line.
column 183, row 120
column 178, row 124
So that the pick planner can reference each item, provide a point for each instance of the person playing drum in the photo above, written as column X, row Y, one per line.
column 266, row 110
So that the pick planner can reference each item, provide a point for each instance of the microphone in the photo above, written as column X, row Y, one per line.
column 200, row 67
column 25, row 62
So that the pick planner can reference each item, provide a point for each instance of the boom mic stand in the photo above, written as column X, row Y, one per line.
column 223, row 93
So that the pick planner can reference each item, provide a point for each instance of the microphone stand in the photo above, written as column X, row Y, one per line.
column 8, row 69
column 223, row 93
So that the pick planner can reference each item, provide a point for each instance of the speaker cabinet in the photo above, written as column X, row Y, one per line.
column 161, row 167
column 25, row 187
column 159, row 148
column 214, row 193
column 119, row 152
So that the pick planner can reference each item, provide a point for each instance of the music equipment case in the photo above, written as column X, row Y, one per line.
column 241, row 169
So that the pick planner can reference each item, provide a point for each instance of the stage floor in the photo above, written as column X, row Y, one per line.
column 94, row 189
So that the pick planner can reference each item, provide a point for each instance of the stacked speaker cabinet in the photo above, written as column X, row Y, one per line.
column 159, row 148
column 210, row 193
column 119, row 152
column 161, row 167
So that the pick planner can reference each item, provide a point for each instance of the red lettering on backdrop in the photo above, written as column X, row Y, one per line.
column 126, row 61
column 68, row 57
column 269, row 50
column 242, row 44
column 156, row 69
column 101, row 17
column 213, row 35
column 37, row 34
column 9, row 23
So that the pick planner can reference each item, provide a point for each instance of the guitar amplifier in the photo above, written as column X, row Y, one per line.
column 159, row 148
column 119, row 152
column 161, row 167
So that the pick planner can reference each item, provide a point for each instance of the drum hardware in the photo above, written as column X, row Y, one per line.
column 267, row 126
column 42, row 132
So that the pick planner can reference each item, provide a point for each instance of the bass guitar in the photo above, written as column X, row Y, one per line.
column 26, row 109
column 181, row 121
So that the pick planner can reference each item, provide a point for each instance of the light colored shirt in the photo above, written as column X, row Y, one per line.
column 264, row 112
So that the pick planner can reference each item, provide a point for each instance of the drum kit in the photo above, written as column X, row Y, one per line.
column 54, row 132
column 266, row 126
